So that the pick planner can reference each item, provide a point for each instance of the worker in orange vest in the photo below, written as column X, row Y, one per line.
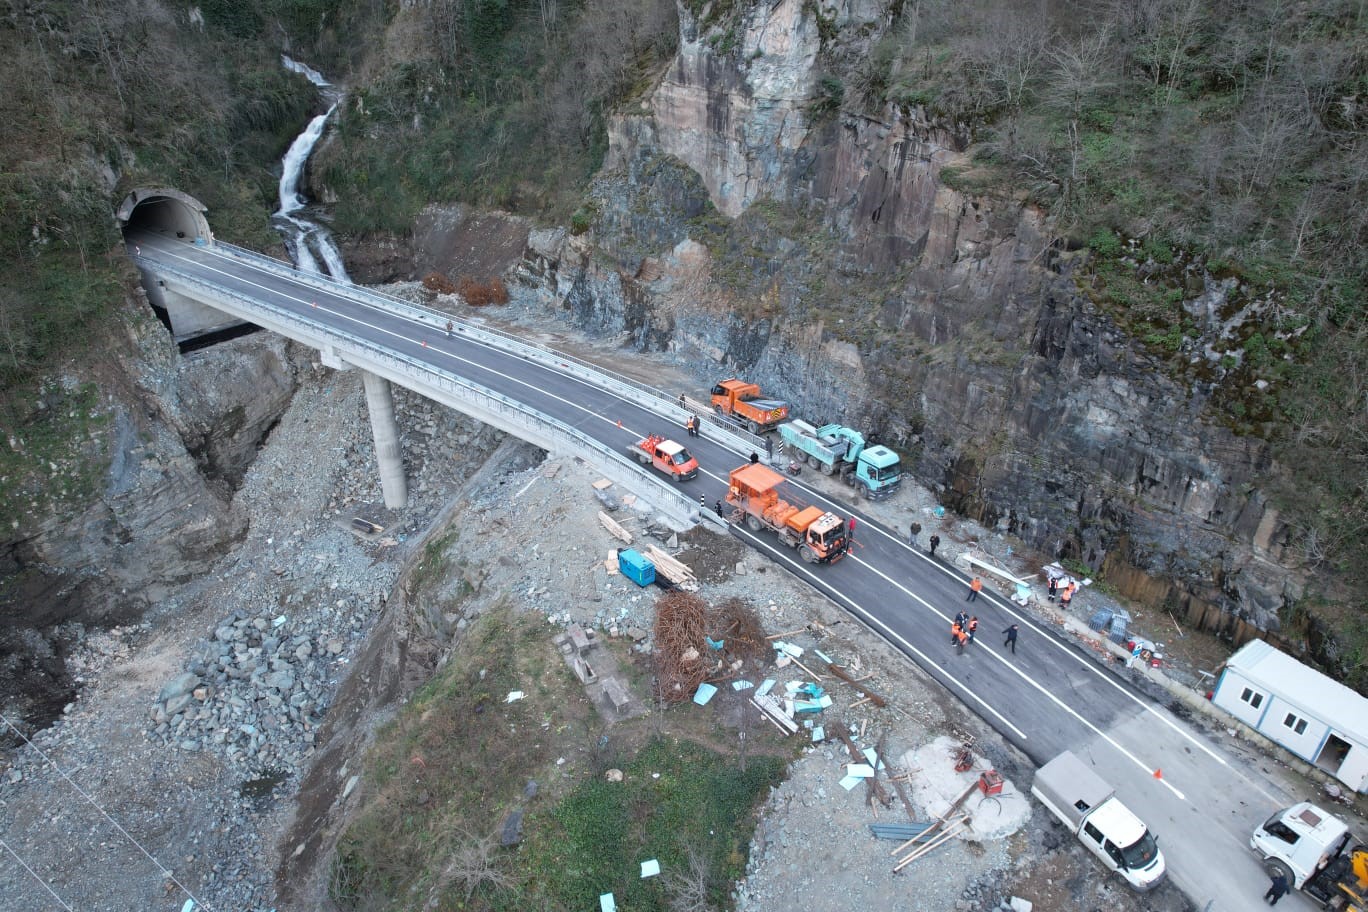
column 974, row 589
column 973, row 627
column 958, row 637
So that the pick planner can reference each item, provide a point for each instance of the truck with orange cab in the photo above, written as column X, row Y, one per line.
column 666, row 455
column 742, row 401
column 819, row 536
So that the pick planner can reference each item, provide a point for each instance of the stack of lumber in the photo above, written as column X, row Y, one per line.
column 614, row 529
column 676, row 572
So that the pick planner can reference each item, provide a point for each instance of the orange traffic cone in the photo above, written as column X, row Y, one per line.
column 1158, row 774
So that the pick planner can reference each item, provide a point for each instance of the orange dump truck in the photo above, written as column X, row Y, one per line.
column 666, row 455
column 741, row 400
column 819, row 536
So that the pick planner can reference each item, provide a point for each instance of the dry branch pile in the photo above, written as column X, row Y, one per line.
column 680, row 649
column 736, row 622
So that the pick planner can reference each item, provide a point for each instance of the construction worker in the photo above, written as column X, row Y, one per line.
column 972, row 629
column 975, row 588
column 718, row 507
column 962, row 617
column 958, row 637
column 1067, row 596
column 935, row 543
column 1054, row 587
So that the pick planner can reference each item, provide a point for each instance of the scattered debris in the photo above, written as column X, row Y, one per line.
column 514, row 696
column 704, row 693
column 650, row 868
column 680, row 628
column 677, row 573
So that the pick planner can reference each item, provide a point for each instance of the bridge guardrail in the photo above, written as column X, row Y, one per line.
column 455, row 385
column 642, row 394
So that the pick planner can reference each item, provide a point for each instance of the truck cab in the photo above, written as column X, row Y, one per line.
column 1124, row 844
column 825, row 540
column 880, row 470
column 1299, row 841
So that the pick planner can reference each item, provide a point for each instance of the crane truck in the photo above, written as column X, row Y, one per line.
column 741, row 400
column 1317, row 853
column 834, row 449
column 820, row 536
column 666, row 455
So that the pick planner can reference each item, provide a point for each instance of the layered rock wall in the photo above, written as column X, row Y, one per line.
column 830, row 262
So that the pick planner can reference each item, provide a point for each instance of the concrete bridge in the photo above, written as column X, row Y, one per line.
column 559, row 403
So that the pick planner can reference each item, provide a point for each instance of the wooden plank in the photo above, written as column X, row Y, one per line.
column 602, row 484
column 841, row 673
column 614, row 529
column 938, row 841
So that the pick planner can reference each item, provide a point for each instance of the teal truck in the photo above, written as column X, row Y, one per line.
column 833, row 449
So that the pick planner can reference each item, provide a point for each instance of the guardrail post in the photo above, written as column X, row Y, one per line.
column 380, row 404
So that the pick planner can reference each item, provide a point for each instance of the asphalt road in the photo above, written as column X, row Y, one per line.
column 1050, row 696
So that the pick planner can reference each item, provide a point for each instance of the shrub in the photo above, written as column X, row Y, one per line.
column 437, row 283
column 482, row 294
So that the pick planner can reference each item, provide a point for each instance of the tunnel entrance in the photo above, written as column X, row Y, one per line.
column 164, row 212
column 151, row 217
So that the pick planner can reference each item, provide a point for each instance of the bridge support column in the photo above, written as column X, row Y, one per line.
column 380, row 404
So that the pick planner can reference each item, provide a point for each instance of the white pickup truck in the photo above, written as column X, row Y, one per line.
column 1090, row 809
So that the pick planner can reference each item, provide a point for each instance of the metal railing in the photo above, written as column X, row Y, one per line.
column 641, row 394
column 424, row 378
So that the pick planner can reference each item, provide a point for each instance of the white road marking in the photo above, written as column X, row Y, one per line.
column 1085, row 663
column 888, row 631
column 1021, row 674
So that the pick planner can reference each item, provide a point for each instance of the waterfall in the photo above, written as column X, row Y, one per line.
column 302, row 236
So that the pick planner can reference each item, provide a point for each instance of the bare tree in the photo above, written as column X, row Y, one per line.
column 474, row 864
column 689, row 889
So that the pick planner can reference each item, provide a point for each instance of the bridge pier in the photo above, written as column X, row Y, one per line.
column 380, row 404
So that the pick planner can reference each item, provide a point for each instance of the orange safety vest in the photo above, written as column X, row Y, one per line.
column 976, row 585
column 973, row 626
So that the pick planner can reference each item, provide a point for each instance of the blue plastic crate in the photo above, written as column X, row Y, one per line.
column 636, row 567
column 1100, row 619
column 1119, row 622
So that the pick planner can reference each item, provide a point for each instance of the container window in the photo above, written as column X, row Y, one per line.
column 1295, row 723
column 1252, row 697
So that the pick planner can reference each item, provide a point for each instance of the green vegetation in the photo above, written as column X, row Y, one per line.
column 53, row 460
column 101, row 98
column 441, row 777
column 502, row 103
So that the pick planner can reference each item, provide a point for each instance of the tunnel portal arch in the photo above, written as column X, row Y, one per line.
column 165, row 211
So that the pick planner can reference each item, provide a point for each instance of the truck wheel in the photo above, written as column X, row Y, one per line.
column 868, row 492
column 813, row 461
column 643, row 459
column 754, row 427
column 828, row 468
column 1274, row 867
column 807, row 554
column 753, row 524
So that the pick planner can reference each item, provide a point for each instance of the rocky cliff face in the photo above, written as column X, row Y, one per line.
column 175, row 435
column 829, row 261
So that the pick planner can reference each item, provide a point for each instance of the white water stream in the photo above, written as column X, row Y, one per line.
column 304, row 238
